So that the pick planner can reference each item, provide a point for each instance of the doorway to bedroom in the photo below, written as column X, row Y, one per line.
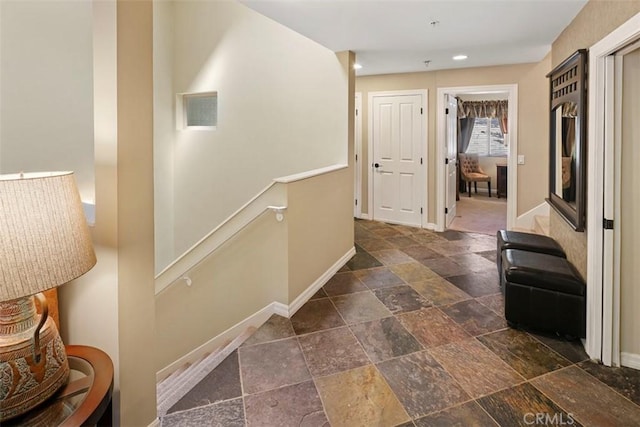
column 479, row 132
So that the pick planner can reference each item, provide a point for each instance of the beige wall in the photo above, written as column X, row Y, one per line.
column 532, row 107
column 47, row 89
column 320, row 210
column 533, row 136
column 320, row 217
column 59, row 68
column 574, row 244
column 164, row 133
column 112, row 306
column 488, row 165
column 273, row 88
column 136, row 287
column 595, row 20
column 272, row 126
column 90, row 303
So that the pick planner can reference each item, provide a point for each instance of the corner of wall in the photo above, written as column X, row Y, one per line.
column 574, row 243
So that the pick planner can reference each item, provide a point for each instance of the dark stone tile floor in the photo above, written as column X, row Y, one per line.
column 410, row 332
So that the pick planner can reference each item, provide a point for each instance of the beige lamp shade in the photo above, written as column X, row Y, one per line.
column 44, row 237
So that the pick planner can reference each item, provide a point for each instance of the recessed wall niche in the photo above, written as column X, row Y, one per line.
column 197, row 111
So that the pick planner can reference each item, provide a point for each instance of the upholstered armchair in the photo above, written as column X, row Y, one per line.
column 470, row 171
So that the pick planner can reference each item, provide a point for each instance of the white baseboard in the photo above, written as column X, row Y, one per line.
column 255, row 320
column 525, row 221
column 630, row 360
column 280, row 309
column 155, row 423
column 320, row 282
column 170, row 391
column 428, row 226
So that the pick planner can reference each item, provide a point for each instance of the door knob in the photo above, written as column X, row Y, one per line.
column 376, row 165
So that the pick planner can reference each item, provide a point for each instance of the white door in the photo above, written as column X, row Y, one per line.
column 451, row 161
column 622, row 204
column 396, row 162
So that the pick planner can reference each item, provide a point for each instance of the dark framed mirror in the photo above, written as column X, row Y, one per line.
column 567, row 139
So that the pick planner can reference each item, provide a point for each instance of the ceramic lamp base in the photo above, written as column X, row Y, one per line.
column 28, row 376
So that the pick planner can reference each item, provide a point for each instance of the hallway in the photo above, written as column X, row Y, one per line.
column 409, row 333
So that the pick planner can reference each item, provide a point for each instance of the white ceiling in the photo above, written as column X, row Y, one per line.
column 396, row 36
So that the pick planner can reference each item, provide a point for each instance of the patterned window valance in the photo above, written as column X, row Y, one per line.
column 490, row 109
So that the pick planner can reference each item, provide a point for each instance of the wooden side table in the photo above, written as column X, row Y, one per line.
column 84, row 400
column 501, row 177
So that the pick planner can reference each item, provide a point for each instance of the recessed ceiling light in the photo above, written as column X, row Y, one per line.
column 460, row 57
column 357, row 66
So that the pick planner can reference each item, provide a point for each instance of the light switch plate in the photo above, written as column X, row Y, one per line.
column 521, row 159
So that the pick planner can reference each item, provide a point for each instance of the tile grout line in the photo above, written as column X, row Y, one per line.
column 439, row 308
column 396, row 316
column 575, row 364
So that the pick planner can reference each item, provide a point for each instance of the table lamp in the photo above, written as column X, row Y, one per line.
column 44, row 243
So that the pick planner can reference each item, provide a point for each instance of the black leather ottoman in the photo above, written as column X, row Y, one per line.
column 525, row 241
column 544, row 292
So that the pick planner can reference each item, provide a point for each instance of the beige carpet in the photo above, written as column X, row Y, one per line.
column 480, row 214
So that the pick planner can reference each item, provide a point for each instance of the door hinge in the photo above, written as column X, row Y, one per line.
column 446, row 111
column 446, row 210
column 420, row 110
column 420, row 160
column 420, row 210
column 356, row 202
column 356, row 111
column 446, row 161
column 356, row 157
column 607, row 224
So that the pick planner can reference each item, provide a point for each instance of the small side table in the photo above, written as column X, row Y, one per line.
column 501, row 177
column 84, row 400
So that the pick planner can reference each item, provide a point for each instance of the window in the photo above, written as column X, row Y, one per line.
column 487, row 139
column 199, row 111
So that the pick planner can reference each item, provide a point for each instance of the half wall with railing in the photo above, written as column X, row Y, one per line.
column 269, row 257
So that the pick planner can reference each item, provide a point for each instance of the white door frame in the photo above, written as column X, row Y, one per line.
column 452, row 187
column 603, row 313
column 424, row 94
column 512, row 175
column 357, row 191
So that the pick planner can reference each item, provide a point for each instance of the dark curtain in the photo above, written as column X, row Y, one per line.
column 465, row 129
